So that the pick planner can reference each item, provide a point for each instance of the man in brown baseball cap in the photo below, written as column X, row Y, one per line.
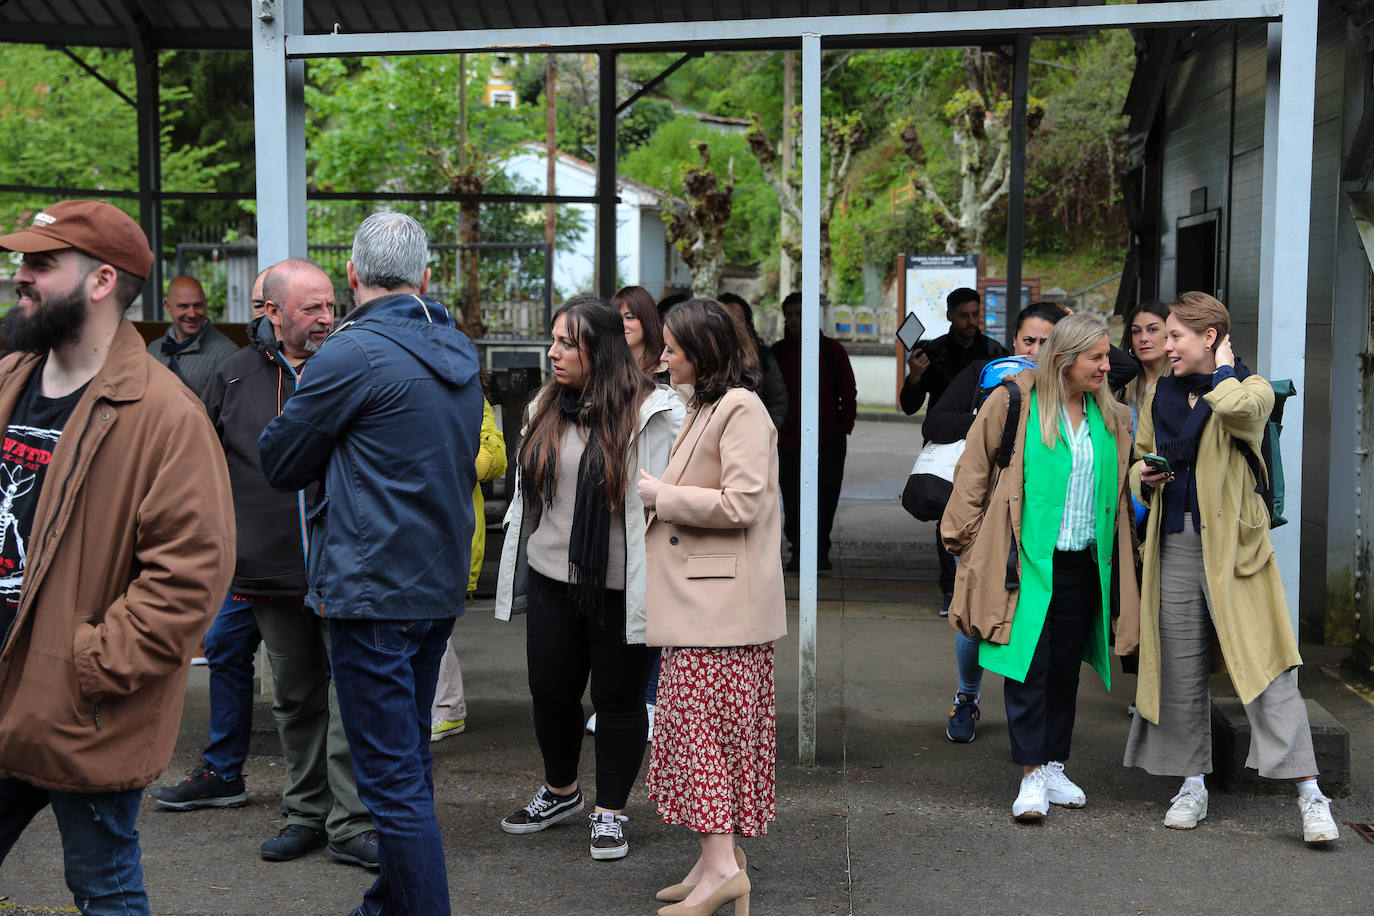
column 97, row 627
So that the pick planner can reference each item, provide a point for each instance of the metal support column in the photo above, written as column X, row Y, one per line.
column 810, row 395
column 606, row 149
column 1016, row 199
column 279, row 122
column 149, row 168
column 1286, row 223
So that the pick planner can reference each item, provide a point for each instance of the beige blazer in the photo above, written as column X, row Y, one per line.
column 714, row 542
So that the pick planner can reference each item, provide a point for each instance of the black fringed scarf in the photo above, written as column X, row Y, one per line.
column 1178, row 430
column 589, row 546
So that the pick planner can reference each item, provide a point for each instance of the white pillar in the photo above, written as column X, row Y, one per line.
column 810, row 395
column 279, row 122
column 1286, row 220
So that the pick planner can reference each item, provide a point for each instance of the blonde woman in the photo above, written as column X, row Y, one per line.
column 1209, row 575
column 1035, row 543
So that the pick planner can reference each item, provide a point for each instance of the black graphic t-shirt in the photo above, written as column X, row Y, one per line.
column 25, row 453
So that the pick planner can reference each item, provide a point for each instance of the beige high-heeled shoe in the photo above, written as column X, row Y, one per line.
column 735, row 888
column 680, row 891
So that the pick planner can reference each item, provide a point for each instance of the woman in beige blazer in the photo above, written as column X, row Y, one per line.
column 715, row 602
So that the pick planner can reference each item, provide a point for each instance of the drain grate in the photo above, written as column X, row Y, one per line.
column 1364, row 830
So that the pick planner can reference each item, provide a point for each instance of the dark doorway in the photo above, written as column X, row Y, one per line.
column 1195, row 268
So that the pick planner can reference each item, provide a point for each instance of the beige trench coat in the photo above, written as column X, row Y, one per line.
column 983, row 529
column 1248, row 607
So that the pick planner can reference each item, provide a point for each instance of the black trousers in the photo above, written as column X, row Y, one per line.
column 831, row 454
column 562, row 649
column 1040, row 710
column 947, row 564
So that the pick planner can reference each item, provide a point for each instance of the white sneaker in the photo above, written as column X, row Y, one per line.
column 1031, row 802
column 1060, row 789
column 649, row 708
column 1187, row 808
column 591, row 725
column 1317, row 824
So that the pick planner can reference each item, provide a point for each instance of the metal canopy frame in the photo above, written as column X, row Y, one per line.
column 280, row 50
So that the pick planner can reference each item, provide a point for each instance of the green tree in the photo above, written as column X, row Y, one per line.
column 60, row 126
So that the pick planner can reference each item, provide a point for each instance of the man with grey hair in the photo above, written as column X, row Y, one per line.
column 388, row 415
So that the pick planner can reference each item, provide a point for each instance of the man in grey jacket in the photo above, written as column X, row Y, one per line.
column 192, row 347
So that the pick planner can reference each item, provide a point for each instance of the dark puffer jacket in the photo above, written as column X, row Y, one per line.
column 388, row 414
column 247, row 390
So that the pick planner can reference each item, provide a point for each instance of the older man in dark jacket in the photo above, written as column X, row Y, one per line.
column 388, row 414
column 248, row 390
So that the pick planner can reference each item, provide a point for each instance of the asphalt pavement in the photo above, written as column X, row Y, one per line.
column 892, row 819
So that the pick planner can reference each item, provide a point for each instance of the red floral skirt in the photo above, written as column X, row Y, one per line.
column 715, row 740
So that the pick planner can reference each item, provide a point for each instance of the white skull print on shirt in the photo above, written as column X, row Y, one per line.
column 30, row 440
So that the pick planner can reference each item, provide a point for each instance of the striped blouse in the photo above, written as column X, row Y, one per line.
column 1077, row 528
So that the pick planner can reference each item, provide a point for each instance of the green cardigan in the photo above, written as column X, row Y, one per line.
column 1047, row 481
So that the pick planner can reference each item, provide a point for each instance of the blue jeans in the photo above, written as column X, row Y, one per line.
column 651, row 692
column 100, row 850
column 384, row 673
column 970, row 672
column 230, row 646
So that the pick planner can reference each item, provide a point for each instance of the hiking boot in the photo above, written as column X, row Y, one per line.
column 608, row 837
column 361, row 850
column 202, row 788
column 294, row 841
column 1061, row 790
column 962, row 716
column 1032, row 801
column 441, row 728
column 1317, row 824
column 1187, row 808
column 544, row 810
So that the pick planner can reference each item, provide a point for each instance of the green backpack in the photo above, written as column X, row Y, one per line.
column 1269, row 479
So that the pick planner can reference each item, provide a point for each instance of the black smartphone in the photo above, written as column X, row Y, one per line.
column 1158, row 463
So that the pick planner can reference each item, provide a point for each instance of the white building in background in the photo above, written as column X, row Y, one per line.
column 644, row 255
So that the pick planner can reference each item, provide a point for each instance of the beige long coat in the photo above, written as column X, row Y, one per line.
column 1248, row 607
column 713, row 544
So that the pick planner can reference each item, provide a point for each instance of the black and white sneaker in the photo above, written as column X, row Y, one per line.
column 545, row 810
column 202, row 788
column 608, row 837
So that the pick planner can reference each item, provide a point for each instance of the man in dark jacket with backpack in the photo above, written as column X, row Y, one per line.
column 388, row 414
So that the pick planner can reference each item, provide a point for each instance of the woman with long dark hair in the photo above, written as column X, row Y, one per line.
column 574, row 560
column 1210, row 577
column 1143, row 341
column 716, row 604
column 772, row 389
column 643, row 329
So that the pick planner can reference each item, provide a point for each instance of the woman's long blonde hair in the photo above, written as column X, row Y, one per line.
column 1071, row 338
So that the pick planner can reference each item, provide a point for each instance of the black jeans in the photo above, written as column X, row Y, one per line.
column 947, row 564
column 1040, row 710
column 830, row 472
column 562, row 649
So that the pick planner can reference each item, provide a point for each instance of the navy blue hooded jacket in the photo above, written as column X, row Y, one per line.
column 388, row 414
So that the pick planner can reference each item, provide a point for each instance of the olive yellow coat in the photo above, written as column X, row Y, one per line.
column 1247, row 603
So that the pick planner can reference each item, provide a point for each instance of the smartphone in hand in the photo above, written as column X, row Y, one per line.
column 1158, row 463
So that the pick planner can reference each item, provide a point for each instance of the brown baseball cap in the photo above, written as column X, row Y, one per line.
column 92, row 227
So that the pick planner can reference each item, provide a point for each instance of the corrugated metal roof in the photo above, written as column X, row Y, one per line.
column 224, row 24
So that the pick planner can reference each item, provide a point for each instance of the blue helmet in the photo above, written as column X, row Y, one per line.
column 996, row 371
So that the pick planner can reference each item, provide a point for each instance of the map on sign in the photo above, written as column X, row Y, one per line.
column 932, row 277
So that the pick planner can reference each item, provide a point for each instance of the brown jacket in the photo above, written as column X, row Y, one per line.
column 714, row 568
column 130, row 554
column 984, row 530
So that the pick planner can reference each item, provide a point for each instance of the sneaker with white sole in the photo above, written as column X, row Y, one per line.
column 649, row 708
column 1032, row 802
column 544, row 810
column 1186, row 808
column 441, row 728
column 1317, row 823
column 1060, row 789
column 608, row 837
column 591, row 724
